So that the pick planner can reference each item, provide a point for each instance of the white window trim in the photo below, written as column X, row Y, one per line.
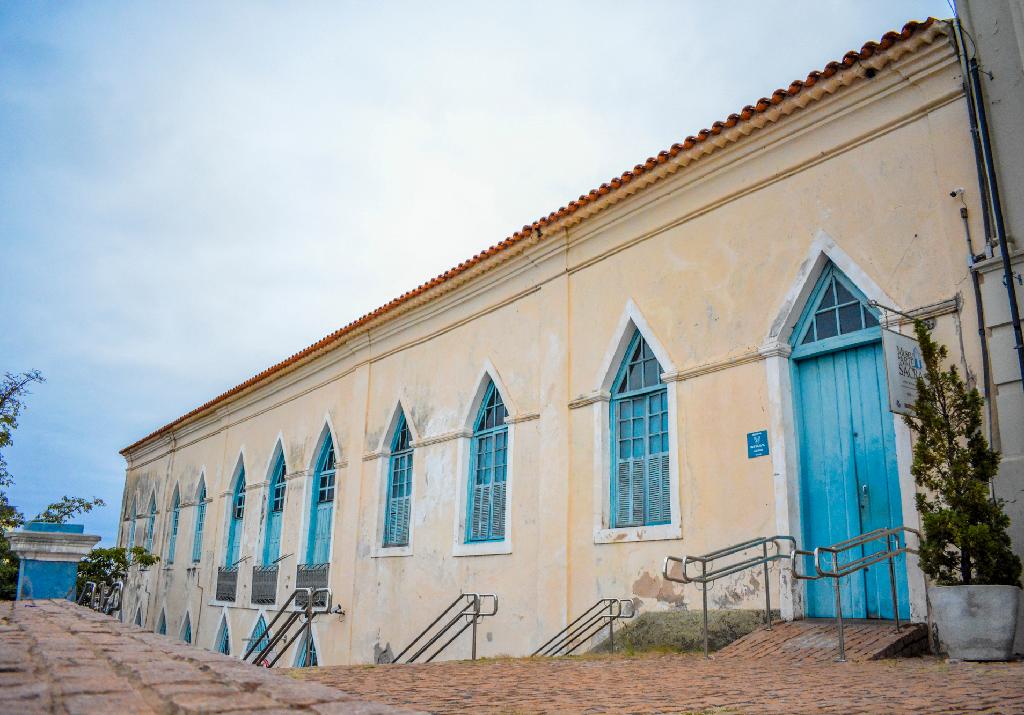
column 460, row 547
column 383, row 458
column 598, row 402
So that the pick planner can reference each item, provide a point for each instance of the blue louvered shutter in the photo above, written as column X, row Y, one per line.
column 161, row 626
column 308, row 646
column 488, row 471
column 186, row 630
column 236, row 520
column 259, row 637
column 275, row 513
column 224, row 639
column 322, row 507
column 151, row 524
column 399, row 489
column 641, row 491
column 322, row 533
column 131, row 526
column 197, row 536
column 175, row 516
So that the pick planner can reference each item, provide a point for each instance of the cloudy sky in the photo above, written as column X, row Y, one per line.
column 190, row 192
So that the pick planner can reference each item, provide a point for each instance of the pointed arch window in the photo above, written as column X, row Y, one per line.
column 186, row 630
column 236, row 519
column 640, row 480
column 305, row 656
column 275, row 511
column 399, row 489
column 321, row 510
column 131, row 526
column 151, row 523
column 197, row 535
column 161, row 625
column 224, row 638
column 485, row 519
column 172, row 539
column 260, row 638
column 835, row 309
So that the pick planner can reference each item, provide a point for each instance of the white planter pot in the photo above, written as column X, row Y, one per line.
column 975, row 622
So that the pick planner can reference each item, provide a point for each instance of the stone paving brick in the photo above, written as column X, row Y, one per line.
column 685, row 683
column 106, row 703
column 62, row 659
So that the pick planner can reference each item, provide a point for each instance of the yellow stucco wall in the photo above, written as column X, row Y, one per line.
column 709, row 263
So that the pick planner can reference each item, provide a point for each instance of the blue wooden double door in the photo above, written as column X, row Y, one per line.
column 849, row 481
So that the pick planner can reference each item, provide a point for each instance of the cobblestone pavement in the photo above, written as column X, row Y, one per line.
column 56, row 657
column 686, row 683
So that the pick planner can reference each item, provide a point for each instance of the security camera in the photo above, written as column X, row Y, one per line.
column 955, row 193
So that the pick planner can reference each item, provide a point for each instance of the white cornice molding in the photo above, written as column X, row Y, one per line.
column 775, row 349
column 51, row 545
column 691, row 372
column 443, row 437
column 521, row 417
column 589, row 399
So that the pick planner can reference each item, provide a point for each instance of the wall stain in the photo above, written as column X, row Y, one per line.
column 648, row 586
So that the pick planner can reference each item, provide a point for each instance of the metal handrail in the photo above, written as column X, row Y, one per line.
column 88, row 589
column 707, row 576
column 112, row 599
column 605, row 612
column 309, row 610
column 471, row 611
column 838, row 570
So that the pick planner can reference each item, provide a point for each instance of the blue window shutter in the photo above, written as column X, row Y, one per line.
column 224, row 639
column 321, row 513
column 236, row 519
column 186, row 630
column 485, row 517
column 641, row 490
column 310, row 644
column 151, row 524
column 131, row 526
column 259, row 635
column 322, row 533
column 175, row 517
column 275, row 513
column 197, row 536
column 161, row 626
column 399, row 488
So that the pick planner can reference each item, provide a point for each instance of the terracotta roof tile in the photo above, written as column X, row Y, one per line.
column 868, row 50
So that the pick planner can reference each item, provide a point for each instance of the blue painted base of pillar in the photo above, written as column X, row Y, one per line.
column 46, row 579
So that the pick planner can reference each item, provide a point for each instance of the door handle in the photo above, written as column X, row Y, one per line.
column 864, row 496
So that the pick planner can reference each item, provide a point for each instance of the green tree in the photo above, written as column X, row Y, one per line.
column 110, row 565
column 13, row 390
column 965, row 530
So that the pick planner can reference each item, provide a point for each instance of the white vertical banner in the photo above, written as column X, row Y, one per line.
column 903, row 365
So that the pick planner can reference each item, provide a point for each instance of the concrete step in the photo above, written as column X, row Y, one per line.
column 818, row 640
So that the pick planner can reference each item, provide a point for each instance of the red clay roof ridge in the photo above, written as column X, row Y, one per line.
column 536, row 229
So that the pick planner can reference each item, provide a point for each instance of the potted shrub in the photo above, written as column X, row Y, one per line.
column 965, row 548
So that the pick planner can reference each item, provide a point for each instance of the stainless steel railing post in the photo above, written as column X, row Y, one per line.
column 476, row 617
column 767, row 590
column 704, row 600
column 892, row 577
column 839, row 622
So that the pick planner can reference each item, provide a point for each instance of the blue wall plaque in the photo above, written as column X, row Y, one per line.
column 757, row 444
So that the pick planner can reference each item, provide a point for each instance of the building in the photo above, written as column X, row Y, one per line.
column 551, row 418
column 994, row 35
